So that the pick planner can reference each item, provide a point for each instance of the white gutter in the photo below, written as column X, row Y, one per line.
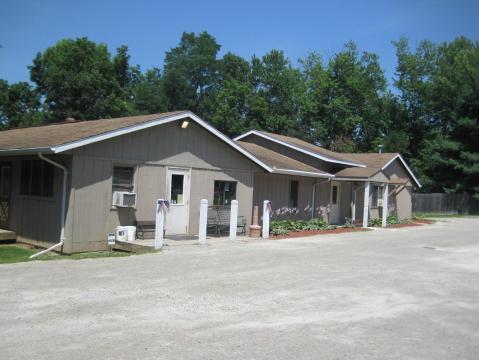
column 62, row 218
column 276, row 170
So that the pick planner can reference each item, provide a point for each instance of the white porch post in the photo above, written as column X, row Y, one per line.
column 203, row 221
column 233, row 219
column 266, row 219
column 366, row 205
column 159, row 223
column 385, row 204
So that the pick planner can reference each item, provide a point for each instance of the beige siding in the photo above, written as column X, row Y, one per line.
column 203, row 189
column 276, row 188
column 404, row 202
column 403, row 193
column 151, row 152
column 36, row 220
column 345, row 201
column 396, row 169
column 168, row 144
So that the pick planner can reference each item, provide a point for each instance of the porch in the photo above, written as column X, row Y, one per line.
column 338, row 200
column 148, row 245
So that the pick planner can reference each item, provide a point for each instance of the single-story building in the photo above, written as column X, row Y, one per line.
column 79, row 180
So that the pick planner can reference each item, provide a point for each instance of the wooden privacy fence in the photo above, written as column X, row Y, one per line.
column 444, row 203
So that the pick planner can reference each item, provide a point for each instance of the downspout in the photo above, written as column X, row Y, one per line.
column 62, row 218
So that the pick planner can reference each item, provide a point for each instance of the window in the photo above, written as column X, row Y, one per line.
column 224, row 192
column 5, row 181
column 36, row 178
column 123, row 178
column 176, row 195
column 293, row 193
column 334, row 194
column 377, row 196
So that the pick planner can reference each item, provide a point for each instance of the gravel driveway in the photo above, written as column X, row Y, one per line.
column 410, row 293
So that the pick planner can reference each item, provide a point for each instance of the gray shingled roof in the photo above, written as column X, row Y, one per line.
column 278, row 161
column 311, row 147
column 374, row 163
column 47, row 136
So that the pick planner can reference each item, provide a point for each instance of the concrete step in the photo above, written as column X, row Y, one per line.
column 7, row 235
column 133, row 247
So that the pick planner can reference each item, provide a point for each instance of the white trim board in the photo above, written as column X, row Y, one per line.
column 301, row 173
column 398, row 156
column 304, row 151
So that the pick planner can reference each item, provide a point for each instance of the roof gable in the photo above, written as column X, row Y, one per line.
column 375, row 163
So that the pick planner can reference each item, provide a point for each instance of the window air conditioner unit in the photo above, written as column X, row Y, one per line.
column 124, row 199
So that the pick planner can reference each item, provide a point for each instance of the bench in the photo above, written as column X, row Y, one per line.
column 219, row 220
column 143, row 227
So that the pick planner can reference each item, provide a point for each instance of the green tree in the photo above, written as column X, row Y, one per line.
column 347, row 102
column 19, row 105
column 147, row 96
column 278, row 89
column 439, row 90
column 231, row 113
column 78, row 78
column 190, row 74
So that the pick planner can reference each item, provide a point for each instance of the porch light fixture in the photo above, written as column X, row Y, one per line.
column 185, row 124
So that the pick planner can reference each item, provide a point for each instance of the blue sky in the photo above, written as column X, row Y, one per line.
column 243, row 27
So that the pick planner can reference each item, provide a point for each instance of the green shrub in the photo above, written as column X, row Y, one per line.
column 282, row 227
column 375, row 222
column 391, row 220
column 349, row 223
column 279, row 231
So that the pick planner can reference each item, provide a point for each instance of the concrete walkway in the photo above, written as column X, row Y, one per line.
column 409, row 293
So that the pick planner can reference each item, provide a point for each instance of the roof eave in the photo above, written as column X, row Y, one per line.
column 276, row 170
column 26, row 151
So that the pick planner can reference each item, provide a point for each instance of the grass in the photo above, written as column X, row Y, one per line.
column 440, row 215
column 14, row 253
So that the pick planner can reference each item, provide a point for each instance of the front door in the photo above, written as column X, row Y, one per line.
column 178, row 194
column 5, row 195
column 334, row 202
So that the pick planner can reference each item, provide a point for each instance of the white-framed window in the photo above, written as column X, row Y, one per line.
column 377, row 196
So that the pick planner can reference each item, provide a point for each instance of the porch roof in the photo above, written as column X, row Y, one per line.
column 282, row 164
column 375, row 163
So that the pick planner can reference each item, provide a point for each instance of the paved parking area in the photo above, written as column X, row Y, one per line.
column 410, row 293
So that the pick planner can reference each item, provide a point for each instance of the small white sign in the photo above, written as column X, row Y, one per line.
column 111, row 239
